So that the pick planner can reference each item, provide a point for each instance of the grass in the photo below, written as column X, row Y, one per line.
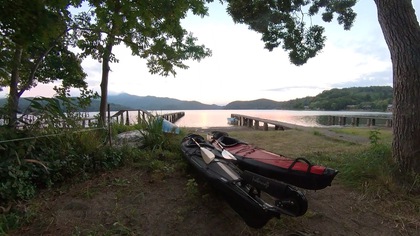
column 385, row 134
column 295, row 143
column 366, row 168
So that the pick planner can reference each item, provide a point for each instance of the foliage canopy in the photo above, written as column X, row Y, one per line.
column 284, row 23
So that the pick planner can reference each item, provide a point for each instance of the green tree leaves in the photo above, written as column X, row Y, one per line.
column 34, row 39
column 151, row 29
column 283, row 22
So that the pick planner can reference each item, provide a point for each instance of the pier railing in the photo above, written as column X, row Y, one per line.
column 123, row 116
column 120, row 117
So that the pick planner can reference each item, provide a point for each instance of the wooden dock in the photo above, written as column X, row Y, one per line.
column 173, row 117
column 123, row 117
column 254, row 122
column 360, row 121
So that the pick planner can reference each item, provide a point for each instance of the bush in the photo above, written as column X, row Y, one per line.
column 154, row 137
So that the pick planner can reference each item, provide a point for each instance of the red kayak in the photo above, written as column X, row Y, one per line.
column 298, row 172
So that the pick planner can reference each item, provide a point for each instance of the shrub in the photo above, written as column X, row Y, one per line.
column 151, row 129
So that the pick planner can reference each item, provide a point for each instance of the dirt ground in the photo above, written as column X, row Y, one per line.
column 132, row 201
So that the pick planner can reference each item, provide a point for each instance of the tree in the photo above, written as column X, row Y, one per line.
column 283, row 23
column 34, row 40
column 151, row 29
column 401, row 30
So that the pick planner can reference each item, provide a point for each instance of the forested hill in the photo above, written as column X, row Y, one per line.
column 132, row 102
column 254, row 104
column 375, row 98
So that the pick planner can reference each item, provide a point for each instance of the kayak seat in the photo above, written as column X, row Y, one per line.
column 228, row 141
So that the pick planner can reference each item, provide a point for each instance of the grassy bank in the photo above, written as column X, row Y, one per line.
column 364, row 168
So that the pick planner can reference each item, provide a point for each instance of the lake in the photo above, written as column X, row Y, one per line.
column 218, row 118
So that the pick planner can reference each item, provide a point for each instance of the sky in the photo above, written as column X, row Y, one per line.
column 241, row 69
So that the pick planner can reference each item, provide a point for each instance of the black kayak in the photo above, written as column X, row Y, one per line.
column 255, row 198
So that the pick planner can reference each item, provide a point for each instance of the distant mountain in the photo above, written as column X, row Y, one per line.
column 158, row 103
column 94, row 106
column 254, row 104
column 132, row 102
column 356, row 98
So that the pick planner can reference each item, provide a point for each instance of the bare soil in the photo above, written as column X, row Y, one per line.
column 132, row 201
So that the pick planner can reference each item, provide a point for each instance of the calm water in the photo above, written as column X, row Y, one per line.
column 218, row 118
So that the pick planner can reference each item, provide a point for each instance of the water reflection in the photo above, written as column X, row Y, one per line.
column 218, row 118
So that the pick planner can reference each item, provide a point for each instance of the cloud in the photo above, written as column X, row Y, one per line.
column 383, row 78
column 241, row 69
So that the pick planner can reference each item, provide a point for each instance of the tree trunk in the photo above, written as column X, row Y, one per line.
column 104, row 81
column 402, row 35
column 13, row 101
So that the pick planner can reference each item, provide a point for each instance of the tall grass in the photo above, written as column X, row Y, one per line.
column 370, row 170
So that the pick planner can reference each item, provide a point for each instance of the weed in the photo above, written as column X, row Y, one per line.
column 154, row 138
column 120, row 182
column 192, row 188
column 317, row 133
column 374, row 137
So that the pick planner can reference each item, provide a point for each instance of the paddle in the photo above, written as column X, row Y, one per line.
column 225, row 153
column 206, row 154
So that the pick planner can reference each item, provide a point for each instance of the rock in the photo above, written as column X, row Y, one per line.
column 132, row 138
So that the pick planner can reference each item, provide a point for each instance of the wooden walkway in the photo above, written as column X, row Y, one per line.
column 254, row 122
column 360, row 120
column 123, row 117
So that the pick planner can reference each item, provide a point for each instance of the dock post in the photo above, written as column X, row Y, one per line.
column 342, row 120
column 127, row 119
column 257, row 124
column 265, row 126
column 331, row 120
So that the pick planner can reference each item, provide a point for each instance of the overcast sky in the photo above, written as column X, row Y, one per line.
column 241, row 69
